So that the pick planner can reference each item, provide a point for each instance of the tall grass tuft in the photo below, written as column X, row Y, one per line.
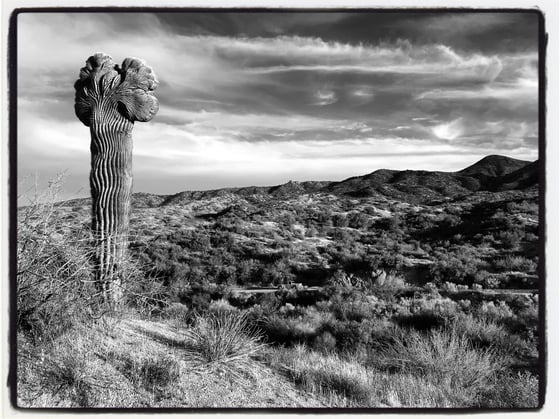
column 446, row 358
column 512, row 390
column 328, row 375
column 486, row 333
column 225, row 343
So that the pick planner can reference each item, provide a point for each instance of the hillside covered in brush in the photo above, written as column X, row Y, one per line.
column 328, row 281
column 491, row 174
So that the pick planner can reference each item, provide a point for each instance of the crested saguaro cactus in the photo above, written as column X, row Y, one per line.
column 109, row 99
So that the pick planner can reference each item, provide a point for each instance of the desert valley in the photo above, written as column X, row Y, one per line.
column 392, row 289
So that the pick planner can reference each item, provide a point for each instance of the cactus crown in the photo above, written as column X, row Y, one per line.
column 128, row 88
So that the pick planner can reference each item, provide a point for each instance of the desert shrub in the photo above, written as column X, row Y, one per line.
column 326, row 374
column 490, row 281
column 197, row 300
column 426, row 312
column 54, row 281
column 345, row 382
column 350, row 336
column 510, row 239
column 320, row 313
column 287, row 309
column 198, row 296
column 191, row 239
column 529, row 315
column 445, row 358
column 495, row 310
column 515, row 263
column 523, row 206
column 430, row 287
column 281, row 330
column 246, row 271
column 141, row 289
column 158, row 372
column 449, row 221
column 280, row 272
column 340, row 220
column 311, row 231
column 223, row 240
column 325, row 342
column 358, row 220
column 153, row 372
column 390, row 224
column 225, row 342
column 525, row 324
column 221, row 305
column 176, row 311
column 511, row 390
column 268, row 304
column 449, row 287
column 450, row 268
column 221, row 273
column 484, row 333
column 352, row 306
column 388, row 280
column 67, row 373
column 287, row 219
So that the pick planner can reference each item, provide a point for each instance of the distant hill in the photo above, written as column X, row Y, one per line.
column 492, row 173
column 286, row 189
column 522, row 178
column 406, row 185
column 493, row 166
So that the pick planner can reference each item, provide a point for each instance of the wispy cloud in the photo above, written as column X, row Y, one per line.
column 522, row 89
column 312, row 97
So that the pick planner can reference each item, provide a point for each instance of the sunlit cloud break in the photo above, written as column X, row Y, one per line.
column 317, row 98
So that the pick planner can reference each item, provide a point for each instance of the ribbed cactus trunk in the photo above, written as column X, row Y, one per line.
column 111, row 190
column 109, row 99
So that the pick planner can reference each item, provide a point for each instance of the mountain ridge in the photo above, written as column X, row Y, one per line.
column 493, row 173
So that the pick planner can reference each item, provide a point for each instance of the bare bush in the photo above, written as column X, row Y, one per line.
column 53, row 267
column 447, row 358
column 55, row 261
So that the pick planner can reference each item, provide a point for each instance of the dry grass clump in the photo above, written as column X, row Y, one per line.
column 512, row 390
column 225, row 343
column 68, row 372
column 437, row 369
column 288, row 331
column 486, row 333
column 153, row 373
column 345, row 382
column 445, row 358
column 221, row 305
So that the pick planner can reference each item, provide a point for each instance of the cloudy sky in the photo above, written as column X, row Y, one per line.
column 263, row 98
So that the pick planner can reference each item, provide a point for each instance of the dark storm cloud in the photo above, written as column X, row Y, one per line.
column 473, row 31
column 279, row 96
column 235, row 24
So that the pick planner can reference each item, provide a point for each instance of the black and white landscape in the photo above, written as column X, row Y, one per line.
column 329, row 210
